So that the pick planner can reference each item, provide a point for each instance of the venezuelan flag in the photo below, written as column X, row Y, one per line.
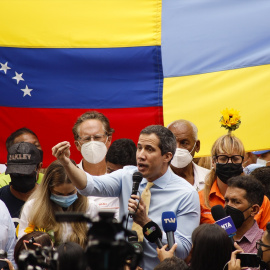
column 62, row 58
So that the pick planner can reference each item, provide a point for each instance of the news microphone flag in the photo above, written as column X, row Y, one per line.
column 228, row 225
column 153, row 233
column 169, row 224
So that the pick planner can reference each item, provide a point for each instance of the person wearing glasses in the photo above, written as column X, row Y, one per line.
column 263, row 253
column 227, row 157
column 93, row 136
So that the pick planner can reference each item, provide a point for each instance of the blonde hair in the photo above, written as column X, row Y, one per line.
column 225, row 144
column 42, row 212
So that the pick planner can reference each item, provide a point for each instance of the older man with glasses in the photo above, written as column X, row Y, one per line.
column 93, row 136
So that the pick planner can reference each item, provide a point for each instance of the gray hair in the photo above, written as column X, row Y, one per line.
column 177, row 123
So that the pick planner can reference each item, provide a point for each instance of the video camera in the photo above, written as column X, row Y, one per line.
column 104, row 251
column 38, row 259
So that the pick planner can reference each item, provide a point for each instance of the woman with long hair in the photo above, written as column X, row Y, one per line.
column 211, row 249
column 56, row 193
column 227, row 158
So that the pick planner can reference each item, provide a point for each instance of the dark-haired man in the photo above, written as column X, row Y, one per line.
column 263, row 175
column 23, row 164
column 21, row 135
column 122, row 152
column 155, row 149
column 243, row 199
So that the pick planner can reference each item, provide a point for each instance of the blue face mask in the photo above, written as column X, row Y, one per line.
column 64, row 201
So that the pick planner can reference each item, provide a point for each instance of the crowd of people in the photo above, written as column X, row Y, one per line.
column 171, row 180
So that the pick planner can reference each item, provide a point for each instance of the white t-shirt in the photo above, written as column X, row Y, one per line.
column 92, row 211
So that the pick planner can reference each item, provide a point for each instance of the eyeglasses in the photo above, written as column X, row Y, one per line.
column 223, row 159
column 261, row 244
column 97, row 138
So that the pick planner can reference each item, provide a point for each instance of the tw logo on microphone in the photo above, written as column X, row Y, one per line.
column 169, row 220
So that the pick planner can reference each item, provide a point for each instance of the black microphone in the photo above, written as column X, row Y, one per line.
column 153, row 233
column 169, row 224
column 137, row 178
column 224, row 221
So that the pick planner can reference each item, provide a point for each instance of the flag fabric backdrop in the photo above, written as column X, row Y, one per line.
column 139, row 62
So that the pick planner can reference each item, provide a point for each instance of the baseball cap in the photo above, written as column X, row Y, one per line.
column 23, row 158
column 260, row 152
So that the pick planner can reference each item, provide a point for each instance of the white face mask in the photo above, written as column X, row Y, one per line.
column 94, row 152
column 182, row 157
column 262, row 161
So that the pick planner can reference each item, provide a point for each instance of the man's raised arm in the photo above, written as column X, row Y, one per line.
column 62, row 153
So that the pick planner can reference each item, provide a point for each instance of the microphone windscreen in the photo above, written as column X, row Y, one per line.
column 218, row 212
column 137, row 177
column 152, row 232
column 169, row 221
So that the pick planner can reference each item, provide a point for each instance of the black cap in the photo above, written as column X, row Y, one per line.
column 23, row 158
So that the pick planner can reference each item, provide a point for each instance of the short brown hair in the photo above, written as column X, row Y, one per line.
column 92, row 115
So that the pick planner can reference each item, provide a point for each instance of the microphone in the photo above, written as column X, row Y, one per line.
column 224, row 221
column 169, row 224
column 153, row 233
column 137, row 178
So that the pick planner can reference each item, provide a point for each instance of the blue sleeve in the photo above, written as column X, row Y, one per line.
column 108, row 185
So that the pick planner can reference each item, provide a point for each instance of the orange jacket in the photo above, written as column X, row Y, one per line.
column 215, row 197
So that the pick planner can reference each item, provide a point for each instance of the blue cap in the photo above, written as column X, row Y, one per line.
column 260, row 152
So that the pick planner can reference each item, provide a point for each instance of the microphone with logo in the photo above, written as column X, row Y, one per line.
column 137, row 178
column 153, row 233
column 224, row 221
column 169, row 224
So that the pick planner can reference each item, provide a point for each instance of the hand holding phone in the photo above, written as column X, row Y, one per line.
column 248, row 259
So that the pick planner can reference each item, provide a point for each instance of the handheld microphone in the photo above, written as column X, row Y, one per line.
column 169, row 224
column 153, row 233
column 137, row 178
column 224, row 221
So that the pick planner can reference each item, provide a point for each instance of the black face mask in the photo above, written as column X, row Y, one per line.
column 23, row 183
column 226, row 171
column 263, row 265
column 236, row 215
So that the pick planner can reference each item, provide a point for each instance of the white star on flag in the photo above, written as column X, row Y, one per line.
column 26, row 91
column 4, row 67
column 18, row 77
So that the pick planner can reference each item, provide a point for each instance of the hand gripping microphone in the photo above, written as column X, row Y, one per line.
column 224, row 221
column 153, row 233
column 169, row 224
column 137, row 178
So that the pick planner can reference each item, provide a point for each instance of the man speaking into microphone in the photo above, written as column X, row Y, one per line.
column 162, row 189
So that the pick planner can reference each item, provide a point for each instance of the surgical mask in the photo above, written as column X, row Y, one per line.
column 64, row 201
column 94, row 151
column 226, row 171
column 23, row 183
column 182, row 157
column 236, row 215
column 262, row 161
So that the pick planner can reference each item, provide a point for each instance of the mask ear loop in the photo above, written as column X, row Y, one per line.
column 193, row 147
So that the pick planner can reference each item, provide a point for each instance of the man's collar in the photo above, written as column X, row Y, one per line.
column 251, row 233
column 161, row 181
